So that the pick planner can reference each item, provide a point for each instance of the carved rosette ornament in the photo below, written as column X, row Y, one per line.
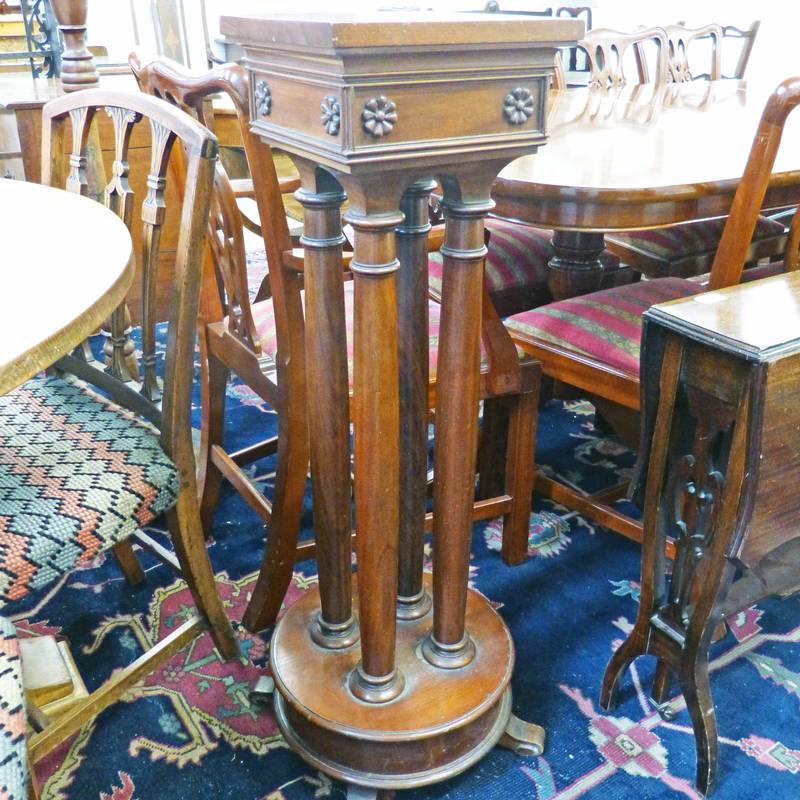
column 331, row 114
column 263, row 98
column 379, row 116
column 518, row 106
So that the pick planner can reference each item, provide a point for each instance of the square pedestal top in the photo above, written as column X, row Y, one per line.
column 397, row 90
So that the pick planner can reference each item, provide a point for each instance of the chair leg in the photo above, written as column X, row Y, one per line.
column 697, row 694
column 280, row 549
column 186, row 531
column 520, row 473
column 492, row 447
column 128, row 563
column 214, row 381
column 662, row 682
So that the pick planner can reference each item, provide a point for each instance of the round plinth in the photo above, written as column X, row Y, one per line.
column 443, row 721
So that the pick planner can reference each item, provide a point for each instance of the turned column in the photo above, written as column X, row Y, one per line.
column 458, row 395
column 376, row 678
column 412, row 303
column 328, row 412
column 78, row 69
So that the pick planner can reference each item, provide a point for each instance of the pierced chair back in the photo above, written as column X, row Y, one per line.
column 191, row 93
column 681, row 38
column 606, row 50
column 744, row 39
column 166, row 402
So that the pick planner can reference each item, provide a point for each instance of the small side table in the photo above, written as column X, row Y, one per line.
column 721, row 411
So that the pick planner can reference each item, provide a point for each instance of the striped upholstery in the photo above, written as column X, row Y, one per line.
column 13, row 757
column 265, row 326
column 516, row 262
column 77, row 475
column 663, row 248
column 605, row 326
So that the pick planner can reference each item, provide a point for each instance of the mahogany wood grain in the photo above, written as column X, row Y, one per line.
column 328, row 403
column 412, row 282
column 456, row 428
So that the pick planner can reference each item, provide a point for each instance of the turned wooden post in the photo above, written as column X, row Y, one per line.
column 376, row 678
column 458, row 395
column 412, row 303
column 328, row 414
column 78, row 70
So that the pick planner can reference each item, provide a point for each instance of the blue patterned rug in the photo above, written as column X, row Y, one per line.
column 190, row 731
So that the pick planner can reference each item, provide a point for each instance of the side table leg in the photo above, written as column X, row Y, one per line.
column 376, row 448
column 458, row 394
column 329, row 425
column 412, row 302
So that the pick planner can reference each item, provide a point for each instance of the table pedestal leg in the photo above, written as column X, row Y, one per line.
column 329, row 428
column 576, row 267
column 458, row 395
column 412, row 302
column 376, row 449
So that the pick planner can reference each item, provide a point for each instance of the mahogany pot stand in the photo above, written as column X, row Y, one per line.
column 404, row 691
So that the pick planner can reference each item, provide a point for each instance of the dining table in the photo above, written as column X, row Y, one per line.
column 67, row 264
column 638, row 157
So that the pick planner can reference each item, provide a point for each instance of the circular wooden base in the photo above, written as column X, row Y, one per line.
column 443, row 721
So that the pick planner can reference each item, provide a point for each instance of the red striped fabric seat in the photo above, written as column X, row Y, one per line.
column 264, row 319
column 516, row 266
column 688, row 249
column 604, row 326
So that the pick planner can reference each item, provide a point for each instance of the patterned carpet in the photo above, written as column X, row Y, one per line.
column 190, row 731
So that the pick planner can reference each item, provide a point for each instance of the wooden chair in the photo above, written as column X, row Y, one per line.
column 688, row 249
column 263, row 343
column 592, row 343
column 744, row 40
column 606, row 50
column 136, row 427
column 702, row 433
column 680, row 39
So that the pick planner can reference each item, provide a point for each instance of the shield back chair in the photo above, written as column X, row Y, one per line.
column 688, row 249
column 592, row 342
column 263, row 343
column 679, row 611
column 127, row 441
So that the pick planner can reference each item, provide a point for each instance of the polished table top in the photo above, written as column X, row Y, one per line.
column 66, row 266
column 642, row 156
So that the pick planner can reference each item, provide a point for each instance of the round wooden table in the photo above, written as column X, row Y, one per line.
column 639, row 157
column 66, row 266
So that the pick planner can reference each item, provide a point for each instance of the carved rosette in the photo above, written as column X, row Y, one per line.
column 379, row 116
column 518, row 106
column 263, row 98
column 331, row 114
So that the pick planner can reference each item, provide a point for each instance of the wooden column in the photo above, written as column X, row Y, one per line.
column 328, row 412
column 78, row 70
column 458, row 395
column 376, row 446
column 413, row 600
